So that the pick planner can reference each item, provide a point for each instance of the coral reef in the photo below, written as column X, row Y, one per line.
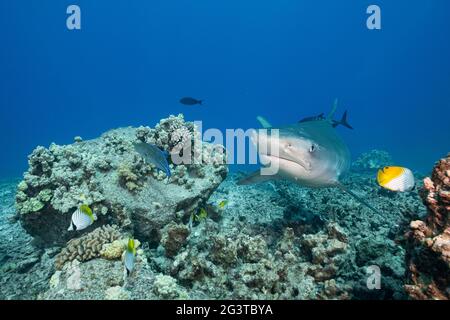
column 107, row 174
column 372, row 160
column 269, row 241
column 428, row 257
column 88, row 246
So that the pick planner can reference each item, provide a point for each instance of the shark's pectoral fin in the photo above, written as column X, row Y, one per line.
column 255, row 177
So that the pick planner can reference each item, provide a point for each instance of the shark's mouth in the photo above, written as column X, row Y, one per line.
column 267, row 156
column 268, row 159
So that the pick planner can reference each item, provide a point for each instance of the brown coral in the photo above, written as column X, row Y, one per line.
column 428, row 248
column 88, row 246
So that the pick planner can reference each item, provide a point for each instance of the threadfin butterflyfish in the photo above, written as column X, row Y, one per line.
column 129, row 256
column 396, row 179
column 82, row 218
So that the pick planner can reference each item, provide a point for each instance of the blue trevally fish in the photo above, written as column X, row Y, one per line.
column 309, row 152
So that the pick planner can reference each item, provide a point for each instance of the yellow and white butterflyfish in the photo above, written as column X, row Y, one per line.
column 82, row 218
column 222, row 204
column 396, row 179
column 129, row 256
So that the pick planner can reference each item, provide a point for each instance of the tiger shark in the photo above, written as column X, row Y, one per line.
column 309, row 153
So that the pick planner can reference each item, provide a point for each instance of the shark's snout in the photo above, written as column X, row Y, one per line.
column 271, row 147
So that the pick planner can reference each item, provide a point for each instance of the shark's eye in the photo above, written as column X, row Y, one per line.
column 312, row 148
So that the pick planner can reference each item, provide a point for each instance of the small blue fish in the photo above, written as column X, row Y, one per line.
column 152, row 154
column 313, row 118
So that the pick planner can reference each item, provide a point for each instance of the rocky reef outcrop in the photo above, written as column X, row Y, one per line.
column 112, row 178
column 428, row 257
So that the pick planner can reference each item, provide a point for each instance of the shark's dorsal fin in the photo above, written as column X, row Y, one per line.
column 333, row 111
column 264, row 123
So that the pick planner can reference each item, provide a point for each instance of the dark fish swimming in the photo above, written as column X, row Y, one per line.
column 334, row 123
column 313, row 118
column 342, row 122
column 190, row 101
column 152, row 154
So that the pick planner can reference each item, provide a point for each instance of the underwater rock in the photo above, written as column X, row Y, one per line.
column 101, row 279
column 90, row 280
column 108, row 175
column 372, row 161
column 174, row 237
column 166, row 287
column 24, row 268
column 117, row 293
column 428, row 250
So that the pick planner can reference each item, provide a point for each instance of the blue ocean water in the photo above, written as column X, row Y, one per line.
column 133, row 60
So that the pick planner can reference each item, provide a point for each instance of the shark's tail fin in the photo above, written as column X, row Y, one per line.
column 360, row 200
column 343, row 122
